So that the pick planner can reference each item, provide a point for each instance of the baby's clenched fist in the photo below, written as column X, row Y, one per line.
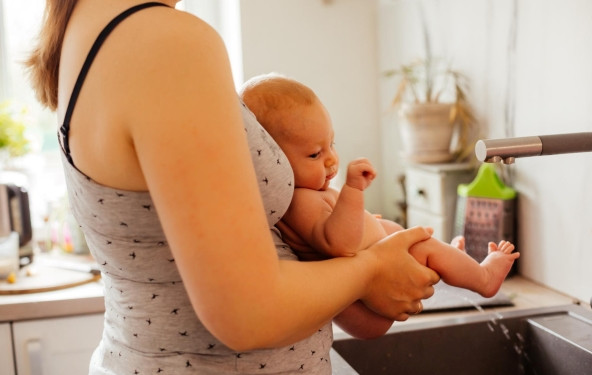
column 360, row 174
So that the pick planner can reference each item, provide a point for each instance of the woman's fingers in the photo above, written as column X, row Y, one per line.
column 401, row 282
column 414, row 235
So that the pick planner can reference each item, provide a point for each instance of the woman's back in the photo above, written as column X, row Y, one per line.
column 124, row 92
column 157, row 112
column 150, row 324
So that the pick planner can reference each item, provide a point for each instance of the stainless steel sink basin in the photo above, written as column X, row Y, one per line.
column 554, row 341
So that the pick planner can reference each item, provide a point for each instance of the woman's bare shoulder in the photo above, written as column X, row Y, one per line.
column 178, row 51
column 162, row 27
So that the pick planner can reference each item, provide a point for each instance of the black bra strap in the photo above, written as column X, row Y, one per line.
column 65, row 128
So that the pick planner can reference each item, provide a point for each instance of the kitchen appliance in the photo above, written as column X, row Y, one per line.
column 15, row 216
column 485, row 212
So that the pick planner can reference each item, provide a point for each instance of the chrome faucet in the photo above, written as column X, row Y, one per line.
column 506, row 150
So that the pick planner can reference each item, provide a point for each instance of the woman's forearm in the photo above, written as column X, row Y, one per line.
column 294, row 299
column 289, row 305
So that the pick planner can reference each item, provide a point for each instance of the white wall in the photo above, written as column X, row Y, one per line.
column 553, row 95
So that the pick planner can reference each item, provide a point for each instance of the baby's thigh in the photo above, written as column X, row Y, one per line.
column 389, row 226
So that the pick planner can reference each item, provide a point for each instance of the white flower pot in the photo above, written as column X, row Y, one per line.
column 426, row 132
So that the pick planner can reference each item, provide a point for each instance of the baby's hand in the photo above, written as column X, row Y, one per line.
column 360, row 174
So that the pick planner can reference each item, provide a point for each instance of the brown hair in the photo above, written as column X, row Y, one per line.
column 44, row 62
column 268, row 95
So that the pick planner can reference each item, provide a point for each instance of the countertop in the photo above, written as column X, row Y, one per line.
column 79, row 300
column 88, row 299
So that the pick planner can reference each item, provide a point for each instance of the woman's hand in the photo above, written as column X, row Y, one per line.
column 400, row 282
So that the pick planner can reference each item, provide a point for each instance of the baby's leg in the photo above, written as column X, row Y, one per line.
column 389, row 226
column 457, row 268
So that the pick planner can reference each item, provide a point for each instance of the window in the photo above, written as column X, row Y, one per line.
column 40, row 171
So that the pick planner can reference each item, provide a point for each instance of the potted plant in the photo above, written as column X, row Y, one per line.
column 436, row 121
column 13, row 140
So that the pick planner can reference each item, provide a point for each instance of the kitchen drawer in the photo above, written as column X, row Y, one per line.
column 6, row 354
column 425, row 190
column 442, row 227
column 431, row 195
column 61, row 346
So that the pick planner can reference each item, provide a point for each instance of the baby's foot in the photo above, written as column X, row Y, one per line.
column 458, row 242
column 497, row 264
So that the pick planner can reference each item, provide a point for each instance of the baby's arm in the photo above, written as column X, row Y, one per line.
column 330, row 222
column 343, row 230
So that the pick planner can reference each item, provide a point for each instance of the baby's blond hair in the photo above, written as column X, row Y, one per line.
column 268, row 96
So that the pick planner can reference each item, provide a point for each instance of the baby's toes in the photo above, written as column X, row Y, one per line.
column 507, row 248
column 491, row 247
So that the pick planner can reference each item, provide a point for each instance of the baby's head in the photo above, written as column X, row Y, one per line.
column 274, row 100
column 295, row 117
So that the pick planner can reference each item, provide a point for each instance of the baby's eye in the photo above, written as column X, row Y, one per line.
column 315, row 155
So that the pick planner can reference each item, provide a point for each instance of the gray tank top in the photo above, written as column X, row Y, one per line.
column 150, row 326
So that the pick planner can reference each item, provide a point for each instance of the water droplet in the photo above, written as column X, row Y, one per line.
column 517, row 349
column 506, row 331
column 490, row 327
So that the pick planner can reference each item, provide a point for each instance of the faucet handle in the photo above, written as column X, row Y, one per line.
column 507, row 149
column 496, row 150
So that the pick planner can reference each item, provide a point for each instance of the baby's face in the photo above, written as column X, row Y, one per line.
column 309, row 146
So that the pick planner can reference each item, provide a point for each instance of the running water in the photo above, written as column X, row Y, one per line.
column 496, row 324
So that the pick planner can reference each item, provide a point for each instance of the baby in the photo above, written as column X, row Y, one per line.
column 322, row 222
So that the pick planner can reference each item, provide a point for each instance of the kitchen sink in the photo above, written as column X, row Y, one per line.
column 544, row 341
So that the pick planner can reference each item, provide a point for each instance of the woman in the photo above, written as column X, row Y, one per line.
column 178, row 206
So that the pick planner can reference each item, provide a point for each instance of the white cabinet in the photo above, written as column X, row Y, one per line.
column 6, row 354
column 431, row 195
column 61, row 346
